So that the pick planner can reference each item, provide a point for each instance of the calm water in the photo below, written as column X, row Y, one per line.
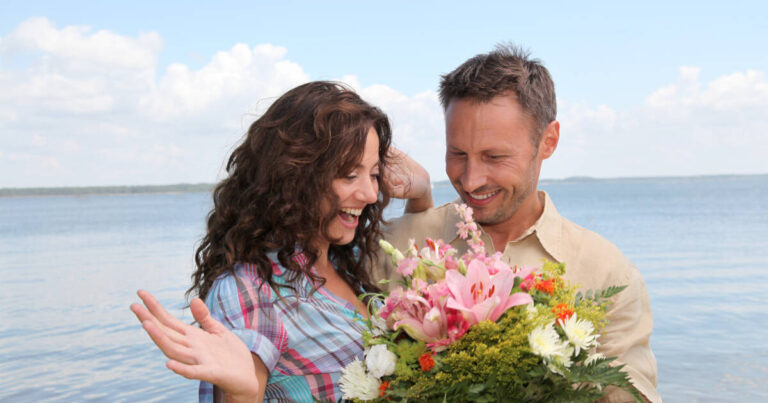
column 69, row 267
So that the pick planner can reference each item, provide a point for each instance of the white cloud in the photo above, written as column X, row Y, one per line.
column 38, row 140
column 417, row 124
column 77, row 49
column 84, row 107
column 91, row 101
column 685, row 128
column 232, row 79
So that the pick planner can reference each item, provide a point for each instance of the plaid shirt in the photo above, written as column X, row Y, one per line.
column 304, row 340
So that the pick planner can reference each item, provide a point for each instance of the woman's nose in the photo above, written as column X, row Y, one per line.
column 369, row 192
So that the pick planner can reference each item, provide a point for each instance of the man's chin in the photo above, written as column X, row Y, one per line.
column 494, row 214
column 486, row 216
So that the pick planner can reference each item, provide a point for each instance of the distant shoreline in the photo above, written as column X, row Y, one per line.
column 207, row 187
column 106, row 190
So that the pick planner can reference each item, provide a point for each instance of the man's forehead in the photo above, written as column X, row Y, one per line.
column 486, row 123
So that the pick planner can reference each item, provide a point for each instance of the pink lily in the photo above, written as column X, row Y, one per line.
column 480, row 297
column 422, row 314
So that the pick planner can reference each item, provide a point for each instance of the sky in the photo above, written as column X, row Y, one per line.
column 132, row 93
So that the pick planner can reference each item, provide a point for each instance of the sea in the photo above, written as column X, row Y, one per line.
column 70, row 267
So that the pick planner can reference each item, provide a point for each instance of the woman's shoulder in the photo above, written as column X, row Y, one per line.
column 246, row 276
column 244, row 279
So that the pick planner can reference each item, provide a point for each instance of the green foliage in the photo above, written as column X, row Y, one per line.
column 494, row 362
column 600, row 296
column 408, row 352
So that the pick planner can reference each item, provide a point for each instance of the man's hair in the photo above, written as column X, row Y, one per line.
column 507, row 70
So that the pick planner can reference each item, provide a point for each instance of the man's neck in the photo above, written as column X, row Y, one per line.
column 524, row 218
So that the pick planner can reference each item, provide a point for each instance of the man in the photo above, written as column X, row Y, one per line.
column 500, row 116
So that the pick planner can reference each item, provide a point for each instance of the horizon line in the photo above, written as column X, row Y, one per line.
column 206, row 186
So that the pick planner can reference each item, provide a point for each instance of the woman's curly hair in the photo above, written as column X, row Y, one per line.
column 280, row 178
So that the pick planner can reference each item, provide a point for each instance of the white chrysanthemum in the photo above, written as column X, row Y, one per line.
column 593, row 357
column 530, row 311
column 554, row 368
column 546, row 343
column 558, row 362
column 356, row 383
column 581, row 333
column 565, row 359
column 380, row 361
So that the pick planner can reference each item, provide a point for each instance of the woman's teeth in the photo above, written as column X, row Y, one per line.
column 352, row 211
column 349, row 215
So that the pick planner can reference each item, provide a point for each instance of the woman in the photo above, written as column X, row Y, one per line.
column 291, row 235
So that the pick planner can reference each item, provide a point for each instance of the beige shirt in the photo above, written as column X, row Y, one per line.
column 591, row 262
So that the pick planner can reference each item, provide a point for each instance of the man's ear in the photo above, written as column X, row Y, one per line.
column 549, row 140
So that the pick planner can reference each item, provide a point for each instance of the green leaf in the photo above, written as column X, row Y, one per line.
column 610, row 291
column 476, row 388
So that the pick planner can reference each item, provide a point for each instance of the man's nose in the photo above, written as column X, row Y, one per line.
column 475, row 175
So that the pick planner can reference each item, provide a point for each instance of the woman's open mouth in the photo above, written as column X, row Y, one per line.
column 349, row 217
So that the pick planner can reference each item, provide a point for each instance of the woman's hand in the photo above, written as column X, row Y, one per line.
column 213, row 354
column 407, row 179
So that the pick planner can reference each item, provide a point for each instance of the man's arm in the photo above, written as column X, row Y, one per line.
column 627, row 337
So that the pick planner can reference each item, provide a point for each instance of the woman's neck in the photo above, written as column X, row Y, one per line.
column 323, row 265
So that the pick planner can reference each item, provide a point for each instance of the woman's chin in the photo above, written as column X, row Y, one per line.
column 341, row 234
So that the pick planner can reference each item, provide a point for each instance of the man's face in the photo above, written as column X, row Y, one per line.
column 490, row 158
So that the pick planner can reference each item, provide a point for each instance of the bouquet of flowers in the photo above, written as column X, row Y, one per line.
column 472, row 328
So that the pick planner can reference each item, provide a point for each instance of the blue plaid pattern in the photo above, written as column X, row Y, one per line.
column 304, row 340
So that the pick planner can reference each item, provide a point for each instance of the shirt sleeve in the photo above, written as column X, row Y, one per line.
column 246, row 308
column 627, row 337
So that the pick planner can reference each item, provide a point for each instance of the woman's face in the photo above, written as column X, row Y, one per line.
column 355, row 191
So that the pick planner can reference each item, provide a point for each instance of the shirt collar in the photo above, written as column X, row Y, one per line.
column 450, row 220
column 548, row 228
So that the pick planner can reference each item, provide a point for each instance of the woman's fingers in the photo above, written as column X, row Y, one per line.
column 203, row 316
column 404, row 177
column 212, row 354
column 143, row 315
column 189, row 371
column 394, row 176
column 171, row 348
column 160, row 313
column 206, row 373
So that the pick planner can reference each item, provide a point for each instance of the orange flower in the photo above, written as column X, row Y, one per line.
column 563, row 311
column 383, row 388
column 427, row 362
column 547, row 286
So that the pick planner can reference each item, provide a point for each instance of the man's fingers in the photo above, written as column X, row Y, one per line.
column 160, row 313
column 171, row 348
column 203, row 316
